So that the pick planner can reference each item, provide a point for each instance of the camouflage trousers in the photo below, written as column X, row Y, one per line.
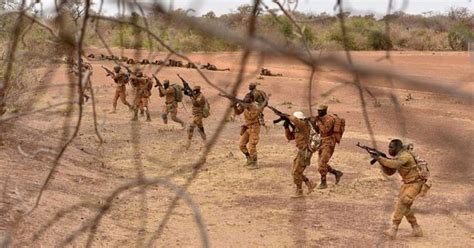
column 302, row 160
column 406, row 197
column 172, row 109
column 249, row 139
column 197, row 122
column 121, row 93
column 325, row 153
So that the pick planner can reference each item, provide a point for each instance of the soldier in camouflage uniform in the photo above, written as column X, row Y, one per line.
column 143, row 86
column 121, row 79
column 199, row 102
column 249, row 135
column 171, row 105
column 303, row 158
column 325, row 127
column 403, row 162
column 260, row 98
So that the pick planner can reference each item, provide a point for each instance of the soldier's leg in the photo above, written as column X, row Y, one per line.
column 411, row 191
column 337, row 174
column 191, row 131
column 164, row 114
column 325, row 153
column 123, row 98
column 244, row 139
column 116, row 97
column 174, row 115
column 198, row 122
column 297, row 173
column 254, row 132
column 146, row 108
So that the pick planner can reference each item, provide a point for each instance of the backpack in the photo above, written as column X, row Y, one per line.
column 421, row 164
column 339, row 127
column 314, row 138
column 206, row 110
column 178, row 92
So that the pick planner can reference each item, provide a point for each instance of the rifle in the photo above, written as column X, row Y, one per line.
column 372, row 152
column 109, row 72
column 186, row 88
column 158, row 83
column 234, row 100
column 282, row 117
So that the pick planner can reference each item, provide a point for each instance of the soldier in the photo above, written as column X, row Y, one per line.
column 405, row 164
column 199, row 103
column 250, row 131
column 121, row 79
column 260, row 98
column 87, row 82
column 171, row 104
column 190, row 65
column 325, row 127
column 212, row 67
column 266, row 72
column 143, row 86
column 301, row 135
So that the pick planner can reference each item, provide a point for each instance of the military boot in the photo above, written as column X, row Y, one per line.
column 148, row 118
column 253, row 165
column 338, row 175
column 416, row 232
column 391, row 232
column 247, row 157
column 311, row 185
column 323, row 183
column 135, row 115
column 298, row 193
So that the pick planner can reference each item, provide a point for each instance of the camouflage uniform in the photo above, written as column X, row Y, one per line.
column 171, row 105
column 249, row 135
column 405, row 164
column 260, row 98
column 143, row 86
column 325, row 126
column 303, row 157
column 198, row 105
column 121, row 79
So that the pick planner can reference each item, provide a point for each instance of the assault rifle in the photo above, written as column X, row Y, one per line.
column 234, row 100
column 109, row 72
column 157, row 82
column 372, row 152
column 186, row 88
column 282, row 117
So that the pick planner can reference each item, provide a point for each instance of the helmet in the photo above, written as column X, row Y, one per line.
column 323, row 107
column 299, row 115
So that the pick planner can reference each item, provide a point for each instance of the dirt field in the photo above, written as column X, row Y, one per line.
column 242, row 208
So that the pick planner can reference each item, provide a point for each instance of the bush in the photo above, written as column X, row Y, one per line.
column 459, row 36
column 379, row 40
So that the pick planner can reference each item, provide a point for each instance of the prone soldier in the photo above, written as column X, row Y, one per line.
column 212, row 67
column 267, row 72
column 330, row 134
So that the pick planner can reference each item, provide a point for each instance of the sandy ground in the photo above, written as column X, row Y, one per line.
column 242, row 208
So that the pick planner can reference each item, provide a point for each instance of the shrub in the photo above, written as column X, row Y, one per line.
column 459, row 36
column 379, row 40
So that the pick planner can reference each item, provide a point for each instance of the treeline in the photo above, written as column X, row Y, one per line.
column 398, row 31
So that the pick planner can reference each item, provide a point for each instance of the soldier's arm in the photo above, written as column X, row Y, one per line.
column 161, row 91
column 289, row 135
column 394, row 163
column 297, row 122
column 238, row 109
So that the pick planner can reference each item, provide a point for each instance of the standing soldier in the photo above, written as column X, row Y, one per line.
column 143, row 86
column 261, row 98
column 121, row 79
column 330, row 135
column 251, row 130
column 199, row 112
column 171, row 103
column 413, row 185
column 300, row 131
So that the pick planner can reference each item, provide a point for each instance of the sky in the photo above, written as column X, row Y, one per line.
column 377, row 7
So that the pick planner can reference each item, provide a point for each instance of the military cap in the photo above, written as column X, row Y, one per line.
column 323, row 107
column 197, row 87
column 253, row 84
